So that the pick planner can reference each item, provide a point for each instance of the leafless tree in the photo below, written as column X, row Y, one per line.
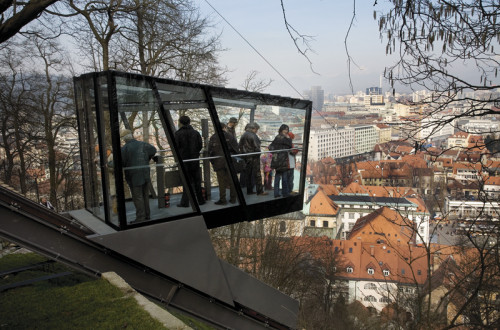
column 254, row 84
column 16, row 15
column 449, row 48
column 15, row 116
column 304, row 268
column 52, row 98
column 102, row 19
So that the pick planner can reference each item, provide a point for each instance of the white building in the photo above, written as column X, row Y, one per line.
column 433, row 129
column 481, row 126
column 365, row 138
column 331, row 142
column 472, row 209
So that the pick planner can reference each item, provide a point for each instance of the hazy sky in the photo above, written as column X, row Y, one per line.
column 261, row 23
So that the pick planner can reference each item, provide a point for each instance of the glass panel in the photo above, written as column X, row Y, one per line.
column 89, row 147
column 108, row 165
column 286, row 146
column 150, row 170
column 259, row 179
column 200, row 148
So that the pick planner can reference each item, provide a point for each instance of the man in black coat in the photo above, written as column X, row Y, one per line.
column 189, row 145
column 220, row 166
column 231, row 126
column 280, row 162
column 136, row 155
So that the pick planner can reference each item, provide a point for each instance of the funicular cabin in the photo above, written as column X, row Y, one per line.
column 110, row 103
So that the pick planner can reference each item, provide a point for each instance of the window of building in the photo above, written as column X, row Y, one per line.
column 419, row 272
column 384, row 287
column 282, row 226
column 371, row 271
column 350, row 250
column 313, row 223
column 402, row 271
column 385, row 300
column 370, row 286
column 349, row 270
column 370, row 298
column 386, row 272
column 325, row 224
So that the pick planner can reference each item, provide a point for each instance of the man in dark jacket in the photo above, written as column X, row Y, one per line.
column 189, row 145
column 231, row 126
column 135, row 160
column 219, row 164
column 250, row 143
column 280, row 161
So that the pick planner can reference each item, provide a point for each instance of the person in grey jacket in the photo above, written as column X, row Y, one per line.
column 250, row 143
column 135, row 160
column 220, row 166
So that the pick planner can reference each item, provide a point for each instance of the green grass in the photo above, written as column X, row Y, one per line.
column 71, row 302
column 191, row 322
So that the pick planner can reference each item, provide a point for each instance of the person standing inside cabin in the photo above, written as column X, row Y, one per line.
column 250, row 143
column 135, row 161
column 291, row 164
column 189, row 145
column 265, row 159
column 280, row 161
column 220, row 166
column 231, row 126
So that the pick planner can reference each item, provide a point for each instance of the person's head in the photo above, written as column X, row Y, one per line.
column 223, row 126
column 232, row 122
column 291, row 135
column 43, row 200
column 283, row 129
column 184, row 120
column 255, row 127
column 126, row 135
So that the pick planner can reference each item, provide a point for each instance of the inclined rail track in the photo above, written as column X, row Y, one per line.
column 57, row 237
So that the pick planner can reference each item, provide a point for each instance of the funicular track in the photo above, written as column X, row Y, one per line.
column 60, row 238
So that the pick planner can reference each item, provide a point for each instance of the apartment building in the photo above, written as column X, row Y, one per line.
column 365, row 138
column 381, row 263
column 354, row 206
column 336, row 142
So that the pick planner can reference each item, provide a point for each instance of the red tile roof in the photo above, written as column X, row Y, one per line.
column 322, row 204
column 383, row 224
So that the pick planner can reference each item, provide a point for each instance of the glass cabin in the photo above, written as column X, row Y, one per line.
column 110, row 103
